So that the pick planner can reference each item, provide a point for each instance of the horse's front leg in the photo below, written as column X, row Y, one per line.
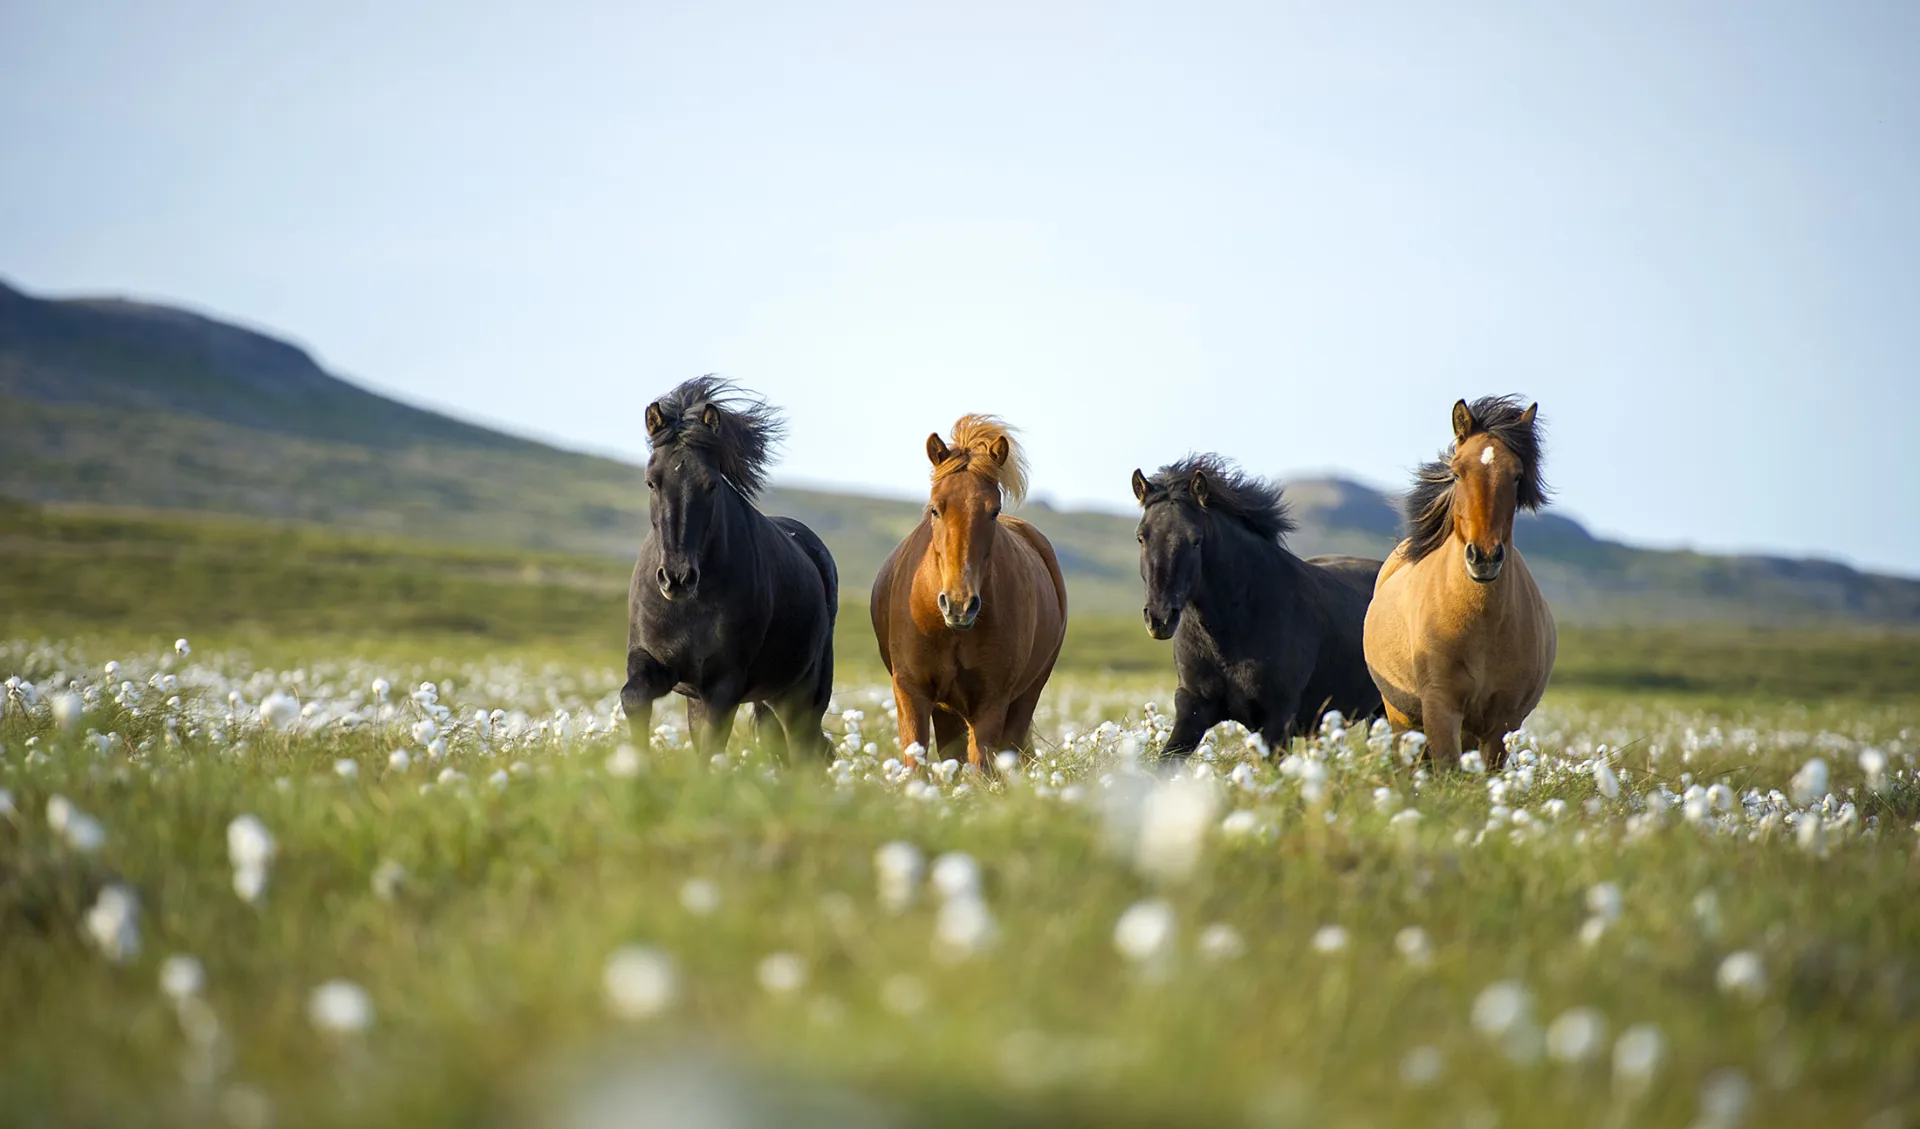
column 1440, row 715
column 710, row 720
column 986, row 736
column 915, row 713
column 647, row 679
column 1192, row 717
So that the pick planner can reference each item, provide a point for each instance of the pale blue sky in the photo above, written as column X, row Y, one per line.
column 1290, row 233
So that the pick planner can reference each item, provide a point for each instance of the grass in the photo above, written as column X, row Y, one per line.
column 485, row 969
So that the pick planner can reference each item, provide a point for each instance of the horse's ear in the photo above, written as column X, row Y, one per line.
column 1140, row 485
column 710, row 415
column 1463, row 422
column 937, row 452
column 1200, row 487
column 1000, row 449
column 656, row 420
column 1526, row 417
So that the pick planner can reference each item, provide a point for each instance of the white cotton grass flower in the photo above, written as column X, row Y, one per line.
column 1500, row 1007
column 1637, row 1056
column 399, row 760
column 639, row 982
column 624, row 762
column 1421, row 1067
column 249, row 843
column 699, row 897
column 1873, row 763
column 387, row 879
column 1414, row 946
column 1221, row 942
column 280, row 710
column 1330, row 939
column 1809, row 785
column 113, row 924
column 1576, row 1035
column 1742, row 975
column 1473, row 762
column 898, row 867
column 182, row 976
column 1146, row 933
column 1605, row 780
column 81, row 831
column 1604, row 901
column 964, row 928
column 1174, row 822
column 1725, row 1096
column 782, row 974
column 1242, row 824
column 180, row 647
column 67, row 709
column 340, row 1007
column 346, row 769
column 956, row 875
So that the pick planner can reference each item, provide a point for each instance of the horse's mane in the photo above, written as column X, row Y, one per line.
column 970, row 448
column 1252, row 501
column 1429, row 505
column 741, row 447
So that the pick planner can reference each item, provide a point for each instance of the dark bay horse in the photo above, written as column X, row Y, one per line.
column 1260, row 636
column 970, row 610
column 727, row 605
column 1459, row 638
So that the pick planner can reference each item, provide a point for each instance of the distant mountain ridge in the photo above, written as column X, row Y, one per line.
column 112, row 402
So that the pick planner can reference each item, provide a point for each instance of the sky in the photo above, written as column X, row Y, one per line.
column 1294, row 234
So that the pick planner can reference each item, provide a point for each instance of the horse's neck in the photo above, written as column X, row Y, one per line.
column 735, row 550
column 1491, row 604
column 1243, row 575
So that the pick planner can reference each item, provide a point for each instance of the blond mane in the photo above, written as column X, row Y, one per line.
column 971, row 446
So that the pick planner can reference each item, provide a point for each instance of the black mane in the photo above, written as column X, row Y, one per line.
column 1252, row 501
column 741, row 447
column 1429, row 505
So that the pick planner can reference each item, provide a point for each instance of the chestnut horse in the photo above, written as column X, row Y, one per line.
column 1458, row 637
column 970, row 610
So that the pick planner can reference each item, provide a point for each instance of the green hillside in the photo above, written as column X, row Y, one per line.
column 106, row 403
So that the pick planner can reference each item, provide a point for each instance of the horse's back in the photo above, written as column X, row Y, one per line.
column 1049, row 561
column 817, row 554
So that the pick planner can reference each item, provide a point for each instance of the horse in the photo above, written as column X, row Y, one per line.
column 1260, row 636
column 970, row 609
column 1459, row 638
column 727, row 605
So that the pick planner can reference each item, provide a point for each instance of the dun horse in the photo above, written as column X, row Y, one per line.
column 1459, row 638
column 727, row 605
column 1260, row 636
column 970, row 610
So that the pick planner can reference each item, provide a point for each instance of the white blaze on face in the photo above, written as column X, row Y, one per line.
column 1486, row 455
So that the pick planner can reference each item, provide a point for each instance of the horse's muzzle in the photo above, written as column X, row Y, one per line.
column 677, row 586
column 1484, row 568
column 1158, row 627
column 963, row 618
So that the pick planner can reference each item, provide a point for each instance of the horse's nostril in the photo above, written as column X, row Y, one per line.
column 943, row 602
column 660, row 576
column 1473, row 554
column 1499, row 553
column 973, row 606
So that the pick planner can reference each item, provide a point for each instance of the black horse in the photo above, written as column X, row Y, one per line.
column 1260, row 636
column 727, row 605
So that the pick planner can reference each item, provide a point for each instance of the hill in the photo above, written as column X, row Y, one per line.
column 114, row 403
